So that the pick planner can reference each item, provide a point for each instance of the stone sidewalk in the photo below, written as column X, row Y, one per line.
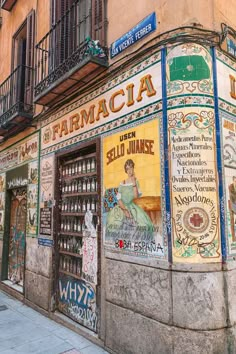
column 24, row 330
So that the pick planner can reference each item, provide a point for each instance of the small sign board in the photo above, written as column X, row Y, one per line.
column 141, row 30
column 45, row 242
column 45, row 221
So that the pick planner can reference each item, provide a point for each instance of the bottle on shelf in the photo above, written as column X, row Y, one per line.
column 62, row 224
column 76, row 205
column 84, row 186
column 69, row 187
column 93, row 205
column 72, row 208
column 79, row 205
column 74, row 225
column 64, row 263
column 65, row 206
column 83, row 166
column 64, row 244
column 73, row 169
column 88, row 204
column 68, row 244
column 79, row 167
column 93, row 164
column 78, row 225
column 79, row 186
column 70, row 169
column 93, row 185
column 68, row 225
column 89, row 185
column 84, row 206
column 88, row 166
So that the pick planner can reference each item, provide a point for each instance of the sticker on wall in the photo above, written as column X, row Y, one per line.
column 194, row 186
column 32, row 199
column 46, row 194
column 189, row 70
column 31, row 221
column 2, row 182
column 33, row 173
column 89, row 260
column 132, row 191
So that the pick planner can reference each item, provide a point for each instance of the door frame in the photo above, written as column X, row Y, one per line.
column 6, row 236
column 55, row 259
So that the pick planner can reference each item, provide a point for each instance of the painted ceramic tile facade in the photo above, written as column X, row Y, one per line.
column 194, row 196
column 47, row 186
column 189, row 70
column 226, row 73
column 192, row 156
column 132, row 221
column 32, row 199
column 23, row 153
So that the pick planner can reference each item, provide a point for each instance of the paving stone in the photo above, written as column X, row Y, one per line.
column 25, row 331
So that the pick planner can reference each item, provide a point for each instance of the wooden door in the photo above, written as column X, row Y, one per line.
column 16, row 260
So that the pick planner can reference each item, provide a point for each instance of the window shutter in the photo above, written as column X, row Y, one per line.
column 98, row 21
column 63, row 33
column 53, row 12
column 30, row 40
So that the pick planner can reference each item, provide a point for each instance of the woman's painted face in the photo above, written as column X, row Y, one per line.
column 130, row 171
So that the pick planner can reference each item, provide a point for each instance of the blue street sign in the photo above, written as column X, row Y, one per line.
column 231, row 46
column 141, row 30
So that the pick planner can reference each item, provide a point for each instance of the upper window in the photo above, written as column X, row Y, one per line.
column 7, row 4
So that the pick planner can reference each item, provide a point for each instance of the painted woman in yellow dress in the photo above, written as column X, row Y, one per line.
column 127, row 219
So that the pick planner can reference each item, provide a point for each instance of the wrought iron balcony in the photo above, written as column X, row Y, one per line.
column 7, row 4
column 16, row 100
column 67, row 58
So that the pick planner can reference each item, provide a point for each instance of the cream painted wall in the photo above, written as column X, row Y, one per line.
column 12, row 20
column 123, row 15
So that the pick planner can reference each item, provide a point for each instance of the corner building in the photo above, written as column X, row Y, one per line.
column 118, row 169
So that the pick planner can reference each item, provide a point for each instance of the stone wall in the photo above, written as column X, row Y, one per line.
column 37, row 273
column 154, row 310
